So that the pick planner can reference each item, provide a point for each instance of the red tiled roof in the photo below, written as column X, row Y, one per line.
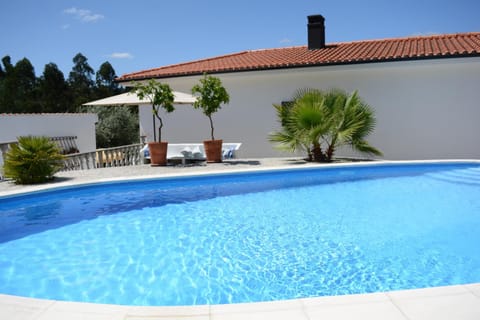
column 411, row 48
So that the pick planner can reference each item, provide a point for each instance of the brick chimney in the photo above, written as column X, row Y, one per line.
column 316, row 32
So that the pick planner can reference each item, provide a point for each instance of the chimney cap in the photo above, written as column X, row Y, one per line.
column 317, row 18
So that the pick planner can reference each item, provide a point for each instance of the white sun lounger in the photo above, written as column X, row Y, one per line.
column 193, row 151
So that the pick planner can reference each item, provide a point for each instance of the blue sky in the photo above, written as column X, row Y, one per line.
column 144, row 34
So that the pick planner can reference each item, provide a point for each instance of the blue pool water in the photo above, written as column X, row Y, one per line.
column 245, row 237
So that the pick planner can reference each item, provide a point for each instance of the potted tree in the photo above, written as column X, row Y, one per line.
column 160, row 96
column 211, row 94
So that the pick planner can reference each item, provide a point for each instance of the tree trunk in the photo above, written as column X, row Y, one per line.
column 317, row 153
column 160, row 129
column 330, row 151
column 211, row 126
column 309, row 155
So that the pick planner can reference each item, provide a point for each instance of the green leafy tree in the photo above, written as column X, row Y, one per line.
column 21, row 91
column 8, row 87
column 117, row 126
column 160, row 96
column 105, row 81
column 26, row 82
column 320, row 122
column 18, row 88
column 7, row 63
column 2, row 74
column 3, row 77
column 53, row 90
column 211, row 95
column 32, row 160
column 80, row 81
column 105, row 76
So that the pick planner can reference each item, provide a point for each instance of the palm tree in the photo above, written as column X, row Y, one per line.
column 287, row 139
column 320, row 122
column 33, row 160
column 352, row 121
column 304, row 123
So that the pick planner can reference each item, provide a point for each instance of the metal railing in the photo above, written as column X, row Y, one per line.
column 102, row 158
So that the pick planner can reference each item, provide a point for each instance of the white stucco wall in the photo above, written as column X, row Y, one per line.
column 51, row 125
column 428, row 109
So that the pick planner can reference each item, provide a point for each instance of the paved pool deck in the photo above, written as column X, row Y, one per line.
column 460, row 302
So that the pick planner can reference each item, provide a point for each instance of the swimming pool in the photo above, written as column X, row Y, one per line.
column 245, row 237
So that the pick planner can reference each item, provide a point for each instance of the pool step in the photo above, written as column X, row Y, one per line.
column 469, row 176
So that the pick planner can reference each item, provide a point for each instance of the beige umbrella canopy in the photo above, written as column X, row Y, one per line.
column 131, row 99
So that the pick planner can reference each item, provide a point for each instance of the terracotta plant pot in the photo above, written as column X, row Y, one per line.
column 213, row 150
column 158, row 153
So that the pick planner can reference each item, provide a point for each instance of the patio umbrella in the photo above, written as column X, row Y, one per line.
column 131, row 99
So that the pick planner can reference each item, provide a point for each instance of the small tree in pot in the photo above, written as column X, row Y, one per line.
column 160, row 95
column 211, row 94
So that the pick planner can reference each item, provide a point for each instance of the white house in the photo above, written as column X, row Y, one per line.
column 425, row 92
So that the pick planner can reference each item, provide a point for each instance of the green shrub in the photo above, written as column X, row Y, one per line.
column 32, row 160
column 116, row 126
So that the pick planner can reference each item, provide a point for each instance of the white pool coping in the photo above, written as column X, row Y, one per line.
column 276, row 165
column 459, row 302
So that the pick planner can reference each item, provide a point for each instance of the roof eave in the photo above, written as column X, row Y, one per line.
column 303, row 65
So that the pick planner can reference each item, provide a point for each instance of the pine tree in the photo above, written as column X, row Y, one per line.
column 53, row 90
column 80, row 81
column 7, row 87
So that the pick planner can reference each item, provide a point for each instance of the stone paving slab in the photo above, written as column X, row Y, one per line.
column 452, row 302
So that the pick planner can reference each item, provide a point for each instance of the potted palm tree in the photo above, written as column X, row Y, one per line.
column 211, row 95
column 160, row 96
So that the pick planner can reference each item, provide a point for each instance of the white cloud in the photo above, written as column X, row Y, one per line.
column 121, row 55
column 425, row 34
column 84, row 15
column 285, row 41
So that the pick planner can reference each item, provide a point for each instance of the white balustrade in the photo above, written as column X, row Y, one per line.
column 101, row 158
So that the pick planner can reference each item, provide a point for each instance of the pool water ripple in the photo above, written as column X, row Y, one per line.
column 343, row 237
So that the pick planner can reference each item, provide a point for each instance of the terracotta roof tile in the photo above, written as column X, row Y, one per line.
column 422, row 47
